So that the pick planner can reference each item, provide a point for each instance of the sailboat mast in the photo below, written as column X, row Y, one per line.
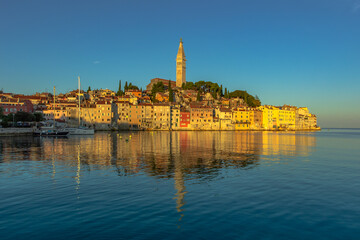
column 79, row 102
column 54, row 108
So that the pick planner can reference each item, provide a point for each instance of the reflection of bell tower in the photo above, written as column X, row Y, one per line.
column 180, row 66
column 178, row 172
column 179, row 184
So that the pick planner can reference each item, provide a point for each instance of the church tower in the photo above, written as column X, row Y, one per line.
column 180, row 66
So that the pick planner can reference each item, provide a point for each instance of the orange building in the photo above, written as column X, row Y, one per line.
column 133, row 92
column 201, row 116
column 161, row 97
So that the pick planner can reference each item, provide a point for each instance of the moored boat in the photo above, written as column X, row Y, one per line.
column 80, row 130
column 51, row 132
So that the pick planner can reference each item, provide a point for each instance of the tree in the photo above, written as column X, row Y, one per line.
column 221, row 91
column 214, row 94
column 126, row 86
column 24, row 117
column 38, row 117
column 132, row 87
column 189, row 86
column 171, row 93
column 157, row 87
column 8, row 118
column 119, row 92
column 198, row 97
column 248, row 99
column 89, row 89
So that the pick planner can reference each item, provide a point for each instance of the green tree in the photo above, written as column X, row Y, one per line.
column 89, row 89
column 119, row 92
column 198, row 97
column 24, row 117
column 171, row 93
column 132, row 87
column 214, row 94
column 126, row 86
column 38, row 117
column 226, row 95
column 10, row 118
column 157, row 87
column 189, row 86
column 250, row 100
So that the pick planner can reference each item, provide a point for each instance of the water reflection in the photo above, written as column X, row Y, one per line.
column 180, row 156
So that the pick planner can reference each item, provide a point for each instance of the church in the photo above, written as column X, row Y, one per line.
column 180, row 71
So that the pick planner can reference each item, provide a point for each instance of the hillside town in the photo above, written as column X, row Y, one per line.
column 163, row 105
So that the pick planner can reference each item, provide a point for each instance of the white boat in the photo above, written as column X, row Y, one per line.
column 52, row 130
column 80, row 130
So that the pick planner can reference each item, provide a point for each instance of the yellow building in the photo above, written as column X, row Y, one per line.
column 99, row 116
column 224, row 116
column 241, row 118
column 255, row 116
column 270, row 116
column 161, row 118
column 286, row 117
column 175, row 117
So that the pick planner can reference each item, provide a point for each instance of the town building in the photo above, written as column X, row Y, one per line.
column 147, row 113
column 269, row 117
column 157, row 80
column 224, row 117
column 133, row 92
column 162, row 116
column 286, row 117
column 255, row 117
column 175, row 117
column 184, row 118
column 241, row 118
column 16, row 105
column 201, row 117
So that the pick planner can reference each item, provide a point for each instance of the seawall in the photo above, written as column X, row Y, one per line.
column 15, row 131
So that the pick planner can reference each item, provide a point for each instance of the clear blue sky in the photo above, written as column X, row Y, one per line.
column 302, row 53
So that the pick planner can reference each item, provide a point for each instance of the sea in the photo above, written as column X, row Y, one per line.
column 182, row 185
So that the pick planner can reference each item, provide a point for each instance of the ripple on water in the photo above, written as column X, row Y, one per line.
column 172, row 185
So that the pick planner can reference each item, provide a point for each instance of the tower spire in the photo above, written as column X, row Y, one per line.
column 180, row 65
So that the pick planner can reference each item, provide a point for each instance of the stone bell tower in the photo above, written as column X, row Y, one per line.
column 180, row 66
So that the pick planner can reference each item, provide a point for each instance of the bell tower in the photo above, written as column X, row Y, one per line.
column 180, row 66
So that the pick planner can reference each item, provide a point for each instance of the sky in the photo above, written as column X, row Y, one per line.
column 296, row 52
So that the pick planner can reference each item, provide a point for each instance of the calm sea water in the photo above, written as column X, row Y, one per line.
column 182, row 185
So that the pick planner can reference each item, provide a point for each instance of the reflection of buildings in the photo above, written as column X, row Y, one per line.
column 180, row 155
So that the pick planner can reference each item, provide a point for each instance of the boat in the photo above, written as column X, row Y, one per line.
column 80, row 130
column 51, row 130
